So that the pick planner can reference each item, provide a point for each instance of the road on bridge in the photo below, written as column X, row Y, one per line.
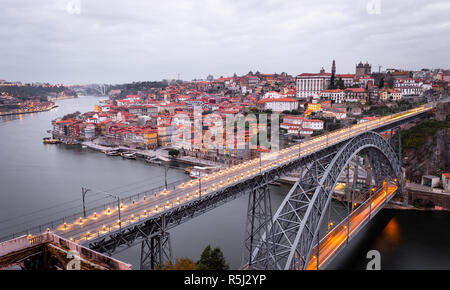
column 339, row 235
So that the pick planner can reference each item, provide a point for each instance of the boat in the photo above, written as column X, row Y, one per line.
column 51, row 141
column 188, row 170
column 153, row 160
column 112, row 153
column 129, row 155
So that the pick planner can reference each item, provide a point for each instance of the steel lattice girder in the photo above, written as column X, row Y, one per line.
column 297, row 221
column 259, row 221
column 155, row 251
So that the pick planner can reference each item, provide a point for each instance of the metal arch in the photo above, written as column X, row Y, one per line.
column 297, row 221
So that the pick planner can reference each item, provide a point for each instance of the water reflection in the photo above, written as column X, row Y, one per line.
column 389, row 239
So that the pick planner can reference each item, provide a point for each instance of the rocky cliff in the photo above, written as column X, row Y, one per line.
column 426, row 149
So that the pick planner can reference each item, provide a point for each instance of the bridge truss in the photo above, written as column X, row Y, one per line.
column 294, row 230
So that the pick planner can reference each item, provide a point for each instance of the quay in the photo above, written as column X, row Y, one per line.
column 158, row 153
column 29, row 111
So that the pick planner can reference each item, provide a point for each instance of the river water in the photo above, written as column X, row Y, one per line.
column 39, row 183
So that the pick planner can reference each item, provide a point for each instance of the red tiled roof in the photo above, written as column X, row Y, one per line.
column 288, row 100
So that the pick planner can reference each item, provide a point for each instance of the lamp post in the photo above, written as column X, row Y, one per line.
column 260, row 162
column 200, row 186
column 84, row 191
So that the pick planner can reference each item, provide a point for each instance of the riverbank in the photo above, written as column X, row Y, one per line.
column 22, row 112
column 62, row 98
column 157, row 153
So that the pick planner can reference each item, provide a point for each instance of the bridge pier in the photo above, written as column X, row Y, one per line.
column 155, row 251
column 259, row 222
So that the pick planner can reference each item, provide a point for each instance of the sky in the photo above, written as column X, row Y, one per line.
column 116, row 41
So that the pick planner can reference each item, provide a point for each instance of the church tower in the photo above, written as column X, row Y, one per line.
column 333, row 68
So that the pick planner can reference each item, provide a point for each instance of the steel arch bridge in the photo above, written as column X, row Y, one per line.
column 287, row 241
column 294, row 230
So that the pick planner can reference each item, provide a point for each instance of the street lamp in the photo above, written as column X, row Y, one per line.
column 86, row 190
column 260, row 162
column 200, row 185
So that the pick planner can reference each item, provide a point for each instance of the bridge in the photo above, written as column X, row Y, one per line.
column 294, row 237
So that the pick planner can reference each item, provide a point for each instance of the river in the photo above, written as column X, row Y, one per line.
column 39, row 183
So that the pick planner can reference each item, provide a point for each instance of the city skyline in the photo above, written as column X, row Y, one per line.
column 79, row 42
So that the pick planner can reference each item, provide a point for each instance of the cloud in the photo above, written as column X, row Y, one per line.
column 81, row 41
column 73, row 7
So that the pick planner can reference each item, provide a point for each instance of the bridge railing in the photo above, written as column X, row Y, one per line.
column 51, row 225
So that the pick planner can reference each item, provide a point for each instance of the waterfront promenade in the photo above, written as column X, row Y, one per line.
column 157, row 153
column 28, row 111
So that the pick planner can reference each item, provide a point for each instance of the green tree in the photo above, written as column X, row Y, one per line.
column 340, row 84
column 174, row 152
column 212, row 260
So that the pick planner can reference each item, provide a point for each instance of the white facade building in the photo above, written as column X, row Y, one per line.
column 315, row 125
column 279, row 105
column 336, row 96
column 273, row 95
column 312, row 84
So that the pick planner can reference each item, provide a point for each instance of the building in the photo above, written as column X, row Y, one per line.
column 391, row 95
column 310, row 84
column 348, row 79
column 430, row 181
column 316, row 125
column 273, row 95
column 409, row 86
column 446, row 181
column 363, row 69
column 278, row 105
column 355, row 95
column 336, row 96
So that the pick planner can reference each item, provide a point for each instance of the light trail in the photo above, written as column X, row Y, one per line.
column 338, row 236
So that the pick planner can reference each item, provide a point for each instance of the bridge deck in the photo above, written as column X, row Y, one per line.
column 336, row 239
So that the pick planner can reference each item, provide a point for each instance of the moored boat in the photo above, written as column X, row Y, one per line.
column 112, row 153
column 51, row 141
column 153, row 160
column 129, row 155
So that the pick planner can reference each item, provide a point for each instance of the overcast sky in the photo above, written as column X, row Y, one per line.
column 117, row 41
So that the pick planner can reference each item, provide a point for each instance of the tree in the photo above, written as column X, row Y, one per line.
column 340, row 84
column 332, row 85
column 71, row 116
column 180, row 264
column 212, row 260
column 174, row 152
